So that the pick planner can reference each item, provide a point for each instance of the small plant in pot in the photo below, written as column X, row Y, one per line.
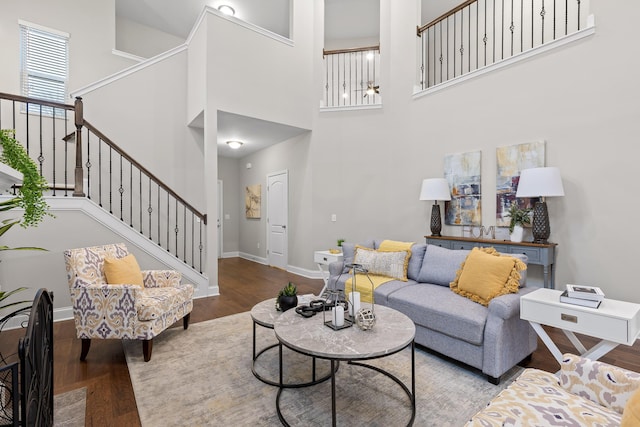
column 519, row 218
column 287, row 297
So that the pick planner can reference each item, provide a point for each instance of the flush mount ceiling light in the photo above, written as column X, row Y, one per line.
column 227, row 10
column 234, row 144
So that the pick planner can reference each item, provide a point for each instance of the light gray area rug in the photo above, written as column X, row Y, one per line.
column 202, row 377
column 69, row 408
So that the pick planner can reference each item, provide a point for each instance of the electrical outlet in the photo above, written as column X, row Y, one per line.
column 258, row 245
column 334, row 217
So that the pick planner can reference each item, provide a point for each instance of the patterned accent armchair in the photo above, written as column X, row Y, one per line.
column 586, row 393
column 123, row 311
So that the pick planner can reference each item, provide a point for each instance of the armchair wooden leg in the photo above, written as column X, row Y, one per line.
column 185, row 320
column 86, row 344
column 147, row 347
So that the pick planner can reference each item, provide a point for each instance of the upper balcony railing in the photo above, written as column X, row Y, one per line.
column 78, row 160
column 351, row 77
column 478, row 33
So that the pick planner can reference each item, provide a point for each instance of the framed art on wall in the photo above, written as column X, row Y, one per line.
column 510, row 160
column 462, row 172
column 253, row 201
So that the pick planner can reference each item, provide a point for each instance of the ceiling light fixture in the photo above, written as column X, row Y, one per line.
column 227, row 10
column 234, row 144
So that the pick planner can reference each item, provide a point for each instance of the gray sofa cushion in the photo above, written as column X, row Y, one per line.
column 437, row 308
column 415, row 262
column 440, row 265
column 382, row 292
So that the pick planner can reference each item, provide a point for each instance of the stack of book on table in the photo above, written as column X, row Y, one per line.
column 587, row 296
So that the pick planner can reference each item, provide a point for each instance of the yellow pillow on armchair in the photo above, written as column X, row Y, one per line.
column 126, row 270
column 485, row 274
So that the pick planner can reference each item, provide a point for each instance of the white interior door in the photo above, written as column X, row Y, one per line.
column 220, row 218
column 277, row 219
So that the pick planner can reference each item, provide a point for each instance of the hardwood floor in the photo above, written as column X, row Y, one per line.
column 110, row 399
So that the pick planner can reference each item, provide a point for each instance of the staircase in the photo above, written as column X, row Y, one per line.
column 87, row 171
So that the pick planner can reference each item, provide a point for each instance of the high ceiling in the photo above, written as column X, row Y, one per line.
column 344, row 20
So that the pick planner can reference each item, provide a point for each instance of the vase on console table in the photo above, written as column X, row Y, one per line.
column 516, row 235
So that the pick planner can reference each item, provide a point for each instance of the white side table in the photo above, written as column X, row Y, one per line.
column 323, row 259
column 614, row 322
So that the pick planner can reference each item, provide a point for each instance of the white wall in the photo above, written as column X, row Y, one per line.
column 574, row 98
column 233, row 200
column 91, row 26
column 140, row 40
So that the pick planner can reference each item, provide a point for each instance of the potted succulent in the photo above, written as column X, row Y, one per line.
column 287, row 297
column 519, row 218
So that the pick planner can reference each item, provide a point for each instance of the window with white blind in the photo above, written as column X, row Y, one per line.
column 44, row 65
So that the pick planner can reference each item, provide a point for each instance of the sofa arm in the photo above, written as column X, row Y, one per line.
column 508, row 306
column 335, row 268
column 605, row 384
column 160, row 278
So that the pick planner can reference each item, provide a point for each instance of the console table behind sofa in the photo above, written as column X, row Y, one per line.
column 538, row 254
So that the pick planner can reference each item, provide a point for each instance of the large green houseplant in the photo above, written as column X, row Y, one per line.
column 30, row 198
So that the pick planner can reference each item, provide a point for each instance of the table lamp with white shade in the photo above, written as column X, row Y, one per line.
column 435, row 189
column 540, row 182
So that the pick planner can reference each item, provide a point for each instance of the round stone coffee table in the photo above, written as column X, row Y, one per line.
column 392, row 333
column 265, row 315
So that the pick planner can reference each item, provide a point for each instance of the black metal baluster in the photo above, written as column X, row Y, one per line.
column 176, row 229
column 121, row 189
column 469, row 39
column 326, row 85
column 184, row 234
column 159, row 213
column 66, row 155
column 521, row 25
column 477, row 34
column 447, row 44
column 110, row 181
column 484, row 39
column 40, row 157
column 168, row 224
column 14, row 121
column 512, row 27
column 532, row 13
column 554, row 19
column 140, row 204
column 462, row 42
column 53, row 143
column 193, row 242
column 566, row 17
column 542, row 14
column 99, row 170
column 424, row 73
column 150, row 209
column 200, row 246
column 578, row 15
column 502, row 31
column 454, row 46
column 494, row 31
column 88, row 164
column 131, row 194
column 441, row 56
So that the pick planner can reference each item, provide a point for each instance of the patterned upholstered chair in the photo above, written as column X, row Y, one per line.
column 123, row 311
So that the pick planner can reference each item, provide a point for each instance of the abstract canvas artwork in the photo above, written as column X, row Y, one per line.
column 253, row 201
column 510, row 161
column 462, row 172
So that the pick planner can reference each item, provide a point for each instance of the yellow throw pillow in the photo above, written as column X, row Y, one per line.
column 631, row 413
column 485, row 274
column 119, row 271
column 393, row 246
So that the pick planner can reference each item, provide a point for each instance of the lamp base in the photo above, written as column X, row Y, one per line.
column 540, row 227
column 436, row 221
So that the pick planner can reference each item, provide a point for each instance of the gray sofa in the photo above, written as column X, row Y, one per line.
column 492, row 339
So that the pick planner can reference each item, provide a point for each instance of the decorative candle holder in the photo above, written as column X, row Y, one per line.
column 337, row 307
column 365, row 318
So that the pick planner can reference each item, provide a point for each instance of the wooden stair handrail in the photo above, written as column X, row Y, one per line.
column 444, row 16
column 349, row 50
column 26, row 99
